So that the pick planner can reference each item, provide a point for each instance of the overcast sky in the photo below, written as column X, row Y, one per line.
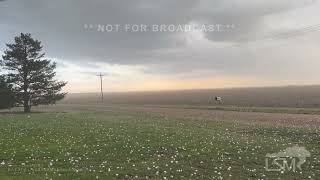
column 258, row 43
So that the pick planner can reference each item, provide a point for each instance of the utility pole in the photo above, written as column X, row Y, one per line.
column 101, row 76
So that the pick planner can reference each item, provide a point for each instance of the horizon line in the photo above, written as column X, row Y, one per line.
column 196, row 89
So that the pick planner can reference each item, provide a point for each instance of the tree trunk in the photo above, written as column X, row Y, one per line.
column 26, row 96
column 26, row 108
column 26, row 105
column 26, row 100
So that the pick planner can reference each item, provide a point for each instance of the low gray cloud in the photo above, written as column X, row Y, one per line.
column 60, row 25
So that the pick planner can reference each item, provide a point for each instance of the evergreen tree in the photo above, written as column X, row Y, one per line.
column 6, row 94
column 30, row 74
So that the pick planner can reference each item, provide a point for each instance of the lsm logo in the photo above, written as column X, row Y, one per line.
column 290, row 159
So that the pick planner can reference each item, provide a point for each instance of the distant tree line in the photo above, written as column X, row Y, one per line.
column 27, row 77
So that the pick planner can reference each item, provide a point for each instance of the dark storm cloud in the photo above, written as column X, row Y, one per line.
column 60, row 25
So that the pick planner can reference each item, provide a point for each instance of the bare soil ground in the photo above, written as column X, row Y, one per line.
column 274, row 119
column 289, row 96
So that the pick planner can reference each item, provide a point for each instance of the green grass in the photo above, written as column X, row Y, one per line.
column 118, row 145
column 281, row 110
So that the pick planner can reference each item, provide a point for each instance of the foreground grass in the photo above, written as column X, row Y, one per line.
column 282, row 110
column 117, row 145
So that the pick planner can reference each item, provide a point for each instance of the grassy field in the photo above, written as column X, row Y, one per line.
column 280, row 110
column 136, row 145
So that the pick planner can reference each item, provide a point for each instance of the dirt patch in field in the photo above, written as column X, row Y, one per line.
column 245, row 117
column 276, row 119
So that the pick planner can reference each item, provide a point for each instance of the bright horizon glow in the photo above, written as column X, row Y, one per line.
column 156, row 84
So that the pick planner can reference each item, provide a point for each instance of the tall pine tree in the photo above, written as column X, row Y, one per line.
column 30, row 74
column 6, row 94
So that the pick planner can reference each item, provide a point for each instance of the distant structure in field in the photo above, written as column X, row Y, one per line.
column 101, row 85
column 218, row 99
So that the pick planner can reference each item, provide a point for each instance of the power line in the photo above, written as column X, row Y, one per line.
column 297, row 32
column 279, row 36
